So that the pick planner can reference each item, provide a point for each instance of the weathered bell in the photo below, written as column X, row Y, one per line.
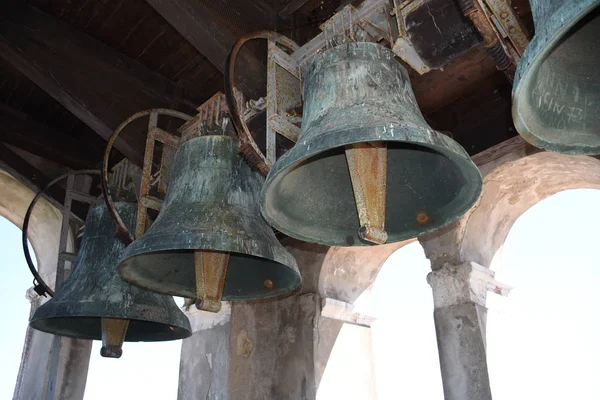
column 94, row 303
column 209, row 241
column 556, row 92
column 366, row 168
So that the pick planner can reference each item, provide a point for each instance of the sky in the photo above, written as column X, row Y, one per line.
column 16, row 279
column 542, row 339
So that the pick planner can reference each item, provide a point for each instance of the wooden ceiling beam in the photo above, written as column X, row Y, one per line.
column 45, row 142
column 35, row 179
column 204, row 30
column 291, row 7
column 96, row 83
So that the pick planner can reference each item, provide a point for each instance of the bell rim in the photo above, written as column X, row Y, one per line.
column 277, row 295
column 280, row 256
column 126, row 273
column 181, row 324
column 541, row 44
column 453, row 150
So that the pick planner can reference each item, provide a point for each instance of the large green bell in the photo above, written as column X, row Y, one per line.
column 366, row 168
column 94, row 303
column 209, row 240
column 556, row 92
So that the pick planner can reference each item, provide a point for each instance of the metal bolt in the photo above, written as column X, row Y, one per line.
column 268, row 284
column 422, row 218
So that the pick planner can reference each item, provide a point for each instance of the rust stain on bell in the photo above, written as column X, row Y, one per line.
column 268, row 284
column 422, row 218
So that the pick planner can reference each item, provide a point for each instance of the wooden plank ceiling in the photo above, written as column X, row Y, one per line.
column 71, row 70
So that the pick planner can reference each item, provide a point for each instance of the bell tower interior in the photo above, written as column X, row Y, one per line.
column 267, row 184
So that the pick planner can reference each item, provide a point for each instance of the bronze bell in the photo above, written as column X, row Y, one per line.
column 366, row 167
column 556, row 92
column 209, row 240
column 94, row 303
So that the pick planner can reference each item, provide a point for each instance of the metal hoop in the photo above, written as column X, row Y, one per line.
column 37, row 277
column 123, row 232
column 248, row 146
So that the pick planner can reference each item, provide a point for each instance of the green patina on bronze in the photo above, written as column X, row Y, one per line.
column 211, row 204
column 95, row 291
column 556, row 93
column 359, row 93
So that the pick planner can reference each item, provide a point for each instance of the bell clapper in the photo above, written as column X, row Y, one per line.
column 367, row 163
column 211, row 270
column 113, row 336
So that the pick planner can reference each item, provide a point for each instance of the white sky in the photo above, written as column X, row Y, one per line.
column 542, row 340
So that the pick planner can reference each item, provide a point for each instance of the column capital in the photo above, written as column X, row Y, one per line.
column 465, row 283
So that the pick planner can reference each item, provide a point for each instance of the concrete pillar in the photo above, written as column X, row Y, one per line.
column 272, row 346
column 459, row 294
column 204, row 363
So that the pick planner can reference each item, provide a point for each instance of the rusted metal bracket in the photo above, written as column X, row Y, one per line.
column 114, row 331
column 402, row 46
column 506, row 18
column 211, row 270
column 145, row 201
column 369, row 12
column 284, row 96
column 367, row 163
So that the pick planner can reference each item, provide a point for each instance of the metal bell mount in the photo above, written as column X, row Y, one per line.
column 209, row 240
column 366, row 167
column 556, row 92
column 94, row 303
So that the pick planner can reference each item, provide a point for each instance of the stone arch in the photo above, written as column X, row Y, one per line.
column 44, row 235
column 347, row 272
column 511, row 189
column 44, row 227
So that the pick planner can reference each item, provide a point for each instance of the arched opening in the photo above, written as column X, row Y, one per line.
column 542, row 341
column 145, row 371
column 405, row 348
column 15, row 315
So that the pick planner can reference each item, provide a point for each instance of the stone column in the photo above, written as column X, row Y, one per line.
column 459, row 294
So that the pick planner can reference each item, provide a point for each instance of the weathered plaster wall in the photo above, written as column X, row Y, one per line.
column 272, row 349
column 204, row 365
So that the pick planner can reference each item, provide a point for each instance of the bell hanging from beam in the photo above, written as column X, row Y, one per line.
column 209, row 241
column 94, row 303
column 556, row 92
column 367, row 168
